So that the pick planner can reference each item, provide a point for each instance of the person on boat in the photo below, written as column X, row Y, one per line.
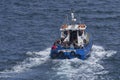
column 63, row 36
column 66, row 41
column 54, row 47
column 67, row 37
column 81, row 39
column 65, row 44
column 84, row 36
column 58, row 41
column 75, row 44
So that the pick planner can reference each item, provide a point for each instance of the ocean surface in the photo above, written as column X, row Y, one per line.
column 28, row 28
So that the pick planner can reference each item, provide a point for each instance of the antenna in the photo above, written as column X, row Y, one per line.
column 73, row 17
column 67, row 20
column 79, row 19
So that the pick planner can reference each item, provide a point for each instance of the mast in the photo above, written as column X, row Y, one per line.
column 73, row 18
column 67, row 19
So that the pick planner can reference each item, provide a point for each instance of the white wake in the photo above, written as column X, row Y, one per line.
column 76, row 69
column 35, row 59
column 73, row 69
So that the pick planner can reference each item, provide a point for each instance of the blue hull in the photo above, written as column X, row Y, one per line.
column 69, row 53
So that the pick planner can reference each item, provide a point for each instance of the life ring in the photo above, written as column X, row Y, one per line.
column 61, row 54
column 81, row 26
column 72, row 53
column 64, row 26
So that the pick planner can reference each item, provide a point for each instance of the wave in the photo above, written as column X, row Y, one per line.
column 76, row 69
column 35, row 59
column 72, row 69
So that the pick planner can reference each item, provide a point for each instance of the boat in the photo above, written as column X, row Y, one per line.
column 75, row 41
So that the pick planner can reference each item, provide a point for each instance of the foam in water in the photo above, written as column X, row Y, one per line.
column 36, row 59
column 31, row 62
column 76, row 69
column 73, row 69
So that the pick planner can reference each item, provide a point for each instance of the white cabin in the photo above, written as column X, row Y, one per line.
column 74, row 33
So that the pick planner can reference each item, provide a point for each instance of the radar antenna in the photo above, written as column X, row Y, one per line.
column 73, row 18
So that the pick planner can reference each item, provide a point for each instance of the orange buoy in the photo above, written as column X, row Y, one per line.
column 64, row 26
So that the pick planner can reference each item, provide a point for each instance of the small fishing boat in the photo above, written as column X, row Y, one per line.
column 75, row 41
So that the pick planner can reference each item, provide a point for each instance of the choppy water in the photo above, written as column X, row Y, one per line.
column 29, row 27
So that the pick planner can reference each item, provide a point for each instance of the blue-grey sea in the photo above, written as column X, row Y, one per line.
column 28, row 28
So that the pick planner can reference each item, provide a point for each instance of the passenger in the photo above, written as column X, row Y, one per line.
column 75, row 43
column 61, row 40
column 75, row 46
column 81, row 44
column 84, row 40
column 64, row 34
column 58, row 42
column 66, row 44
column 54, row 46
column 67, row 37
